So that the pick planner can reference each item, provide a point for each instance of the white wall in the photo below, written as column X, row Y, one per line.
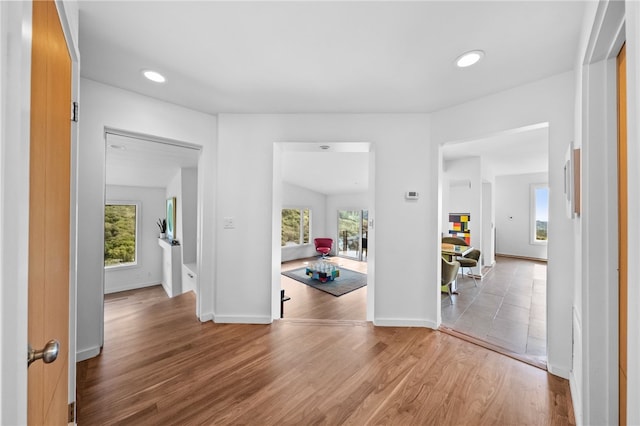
column 174, row 189
column 148, row 270
column 189, row 206
column 546, row 101
column 404, row 231
column 294, row 196
column 633, row 139
column 513, row 215
column 107, row 106
column 488, row 225
column 462, row 180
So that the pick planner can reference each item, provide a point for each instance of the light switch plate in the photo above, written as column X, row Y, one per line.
column 229, row 223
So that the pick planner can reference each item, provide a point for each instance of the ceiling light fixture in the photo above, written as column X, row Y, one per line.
column 469, row 58
column 325, row 147
column 154, row 76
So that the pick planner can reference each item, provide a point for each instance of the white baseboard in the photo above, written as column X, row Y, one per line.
column 557, row 371
column 403, row 322
column 86, row 354
column 132, row 286
column 206, row 317
column 576, row 400
column 233, row 319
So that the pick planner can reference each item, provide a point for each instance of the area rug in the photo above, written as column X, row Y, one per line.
column 347, row 281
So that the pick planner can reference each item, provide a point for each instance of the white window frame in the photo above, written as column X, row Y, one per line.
column 532, row 210
column 301, row 225
column 135, row 264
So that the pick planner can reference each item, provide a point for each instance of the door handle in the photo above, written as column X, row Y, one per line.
column 47, row 354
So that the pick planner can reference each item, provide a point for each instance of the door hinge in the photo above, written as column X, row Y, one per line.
column 72, row 413
column 74, row 111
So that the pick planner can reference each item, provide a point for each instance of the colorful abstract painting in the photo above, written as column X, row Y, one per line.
column 459, row 226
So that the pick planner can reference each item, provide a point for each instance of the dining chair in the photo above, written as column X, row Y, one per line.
column 449, row 274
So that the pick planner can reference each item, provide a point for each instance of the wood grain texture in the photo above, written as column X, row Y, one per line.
column 308, row 303
column 49, row 212
column 160, row 365
column 623, row 242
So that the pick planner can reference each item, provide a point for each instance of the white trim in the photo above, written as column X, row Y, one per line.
column 134, row 286
column 206, row 317
column 130, row 265
column 86, row 354
column 404, row 322
column 15, row 83
column 558, row 371
column 237, row 319
column 633, row 158
column 594, row 378
column 532, row 213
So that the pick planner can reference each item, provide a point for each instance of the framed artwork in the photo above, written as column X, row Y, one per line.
column 572, row 182
column 171, row 218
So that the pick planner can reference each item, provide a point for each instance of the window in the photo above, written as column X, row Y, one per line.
column 296, row 225
column 120, row 234
column 539, row 213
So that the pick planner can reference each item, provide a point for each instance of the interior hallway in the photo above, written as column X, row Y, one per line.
column 161, row 365
column 507, row 309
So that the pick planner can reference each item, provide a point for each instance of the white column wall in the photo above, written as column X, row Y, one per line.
column 106, row 106
column 513, row 215
column 406, row 232
column 546, row 101
column 633, row 154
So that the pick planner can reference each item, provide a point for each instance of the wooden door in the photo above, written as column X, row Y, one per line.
column 622, row 234
column 49, row 201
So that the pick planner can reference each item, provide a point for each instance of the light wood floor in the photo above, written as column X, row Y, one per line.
column 308, row 303
column 161, row 366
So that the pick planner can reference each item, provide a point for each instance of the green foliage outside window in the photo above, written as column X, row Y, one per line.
column 119, row 234
column 296, row 225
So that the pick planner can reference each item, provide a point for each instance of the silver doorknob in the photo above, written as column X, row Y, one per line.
column 48, row 354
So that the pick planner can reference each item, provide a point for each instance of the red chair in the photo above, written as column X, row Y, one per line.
column 323, row 246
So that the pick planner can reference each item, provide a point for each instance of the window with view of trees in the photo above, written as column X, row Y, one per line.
column 296, row 225
column 540, row 212
column 120, row 227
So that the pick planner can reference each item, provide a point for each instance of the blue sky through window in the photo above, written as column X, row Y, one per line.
column 542, row 204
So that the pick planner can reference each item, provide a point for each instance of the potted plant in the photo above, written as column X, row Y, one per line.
column 162, row 224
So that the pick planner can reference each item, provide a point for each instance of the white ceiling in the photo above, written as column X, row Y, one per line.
column 133, row 161
column 512, row 153
column 326, row 56
column 340, row 168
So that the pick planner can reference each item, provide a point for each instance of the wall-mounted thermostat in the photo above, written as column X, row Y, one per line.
column 411, row 195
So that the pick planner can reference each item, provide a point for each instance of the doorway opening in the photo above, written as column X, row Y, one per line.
column 501, row 300
column 339, row 205
column 150, row 182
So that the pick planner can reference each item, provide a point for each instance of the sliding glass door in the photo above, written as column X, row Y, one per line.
column 352, row 233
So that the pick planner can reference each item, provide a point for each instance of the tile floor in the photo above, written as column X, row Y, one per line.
column 507, row 309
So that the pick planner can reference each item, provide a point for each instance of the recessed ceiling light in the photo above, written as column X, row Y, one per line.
column 469, row 58
column 154, row 76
